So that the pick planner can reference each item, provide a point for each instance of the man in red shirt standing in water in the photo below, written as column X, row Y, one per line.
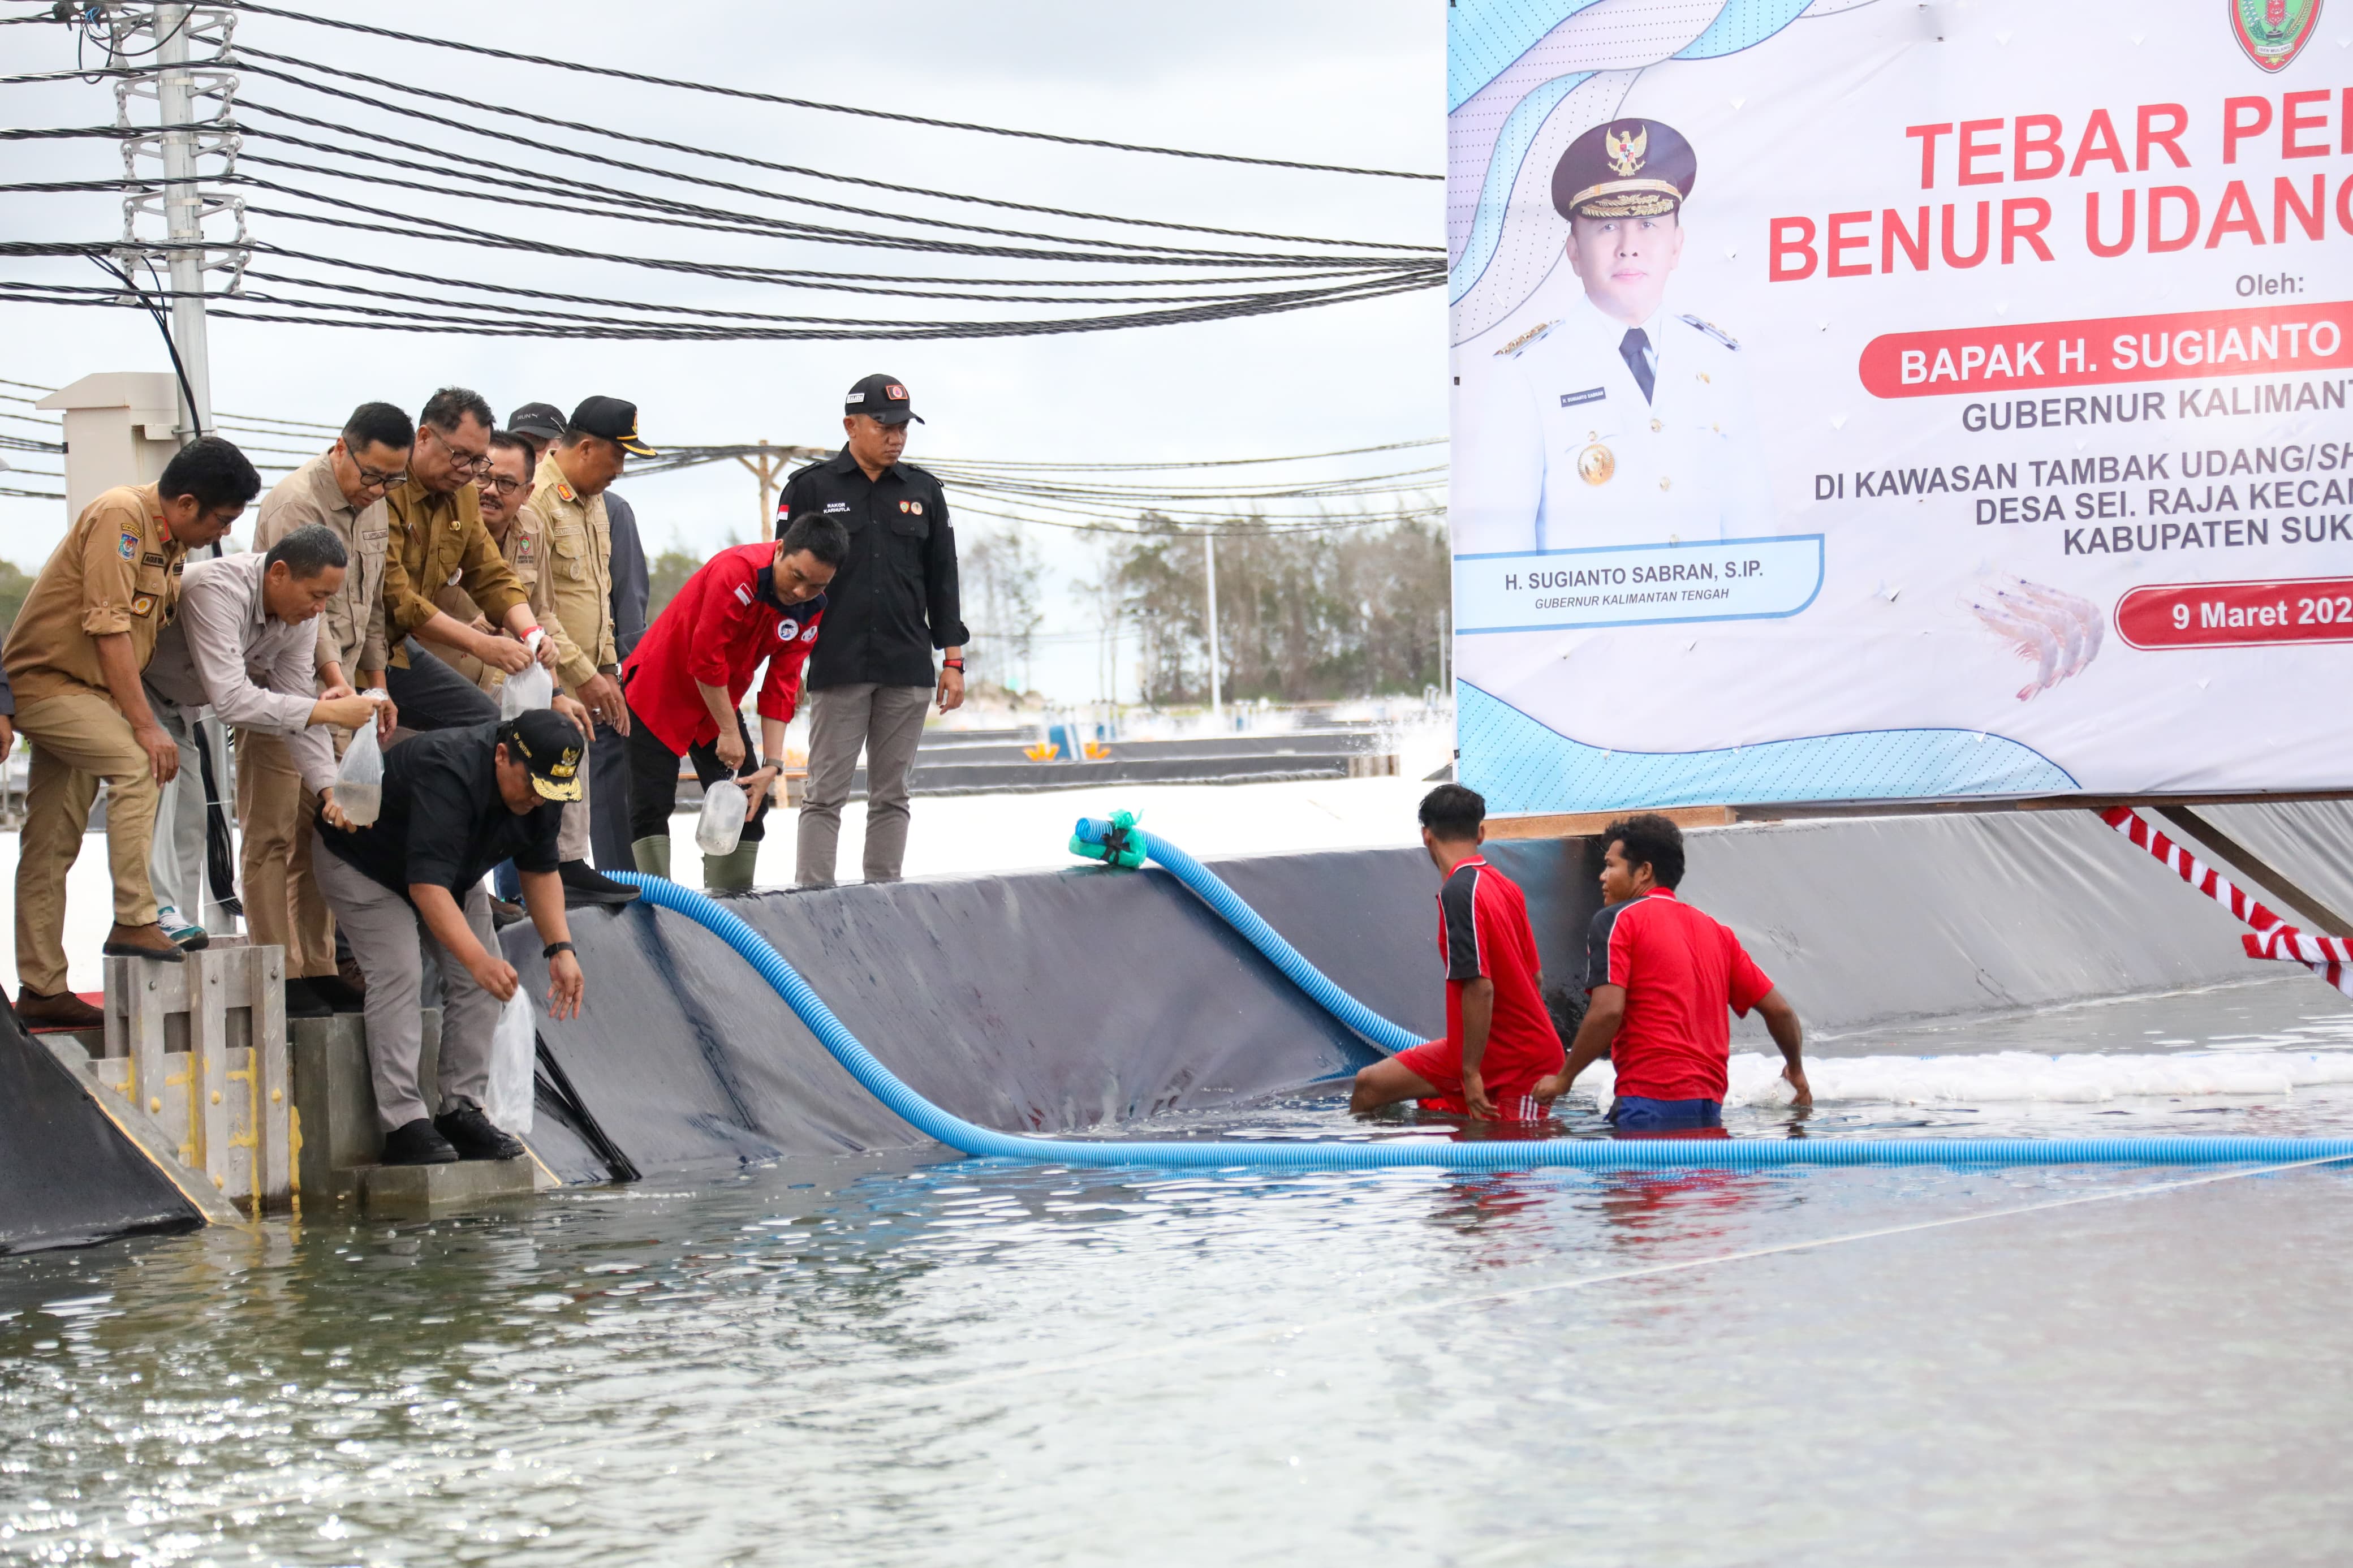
column 749, row 604
column 1662, row 977
column 1500, row 1041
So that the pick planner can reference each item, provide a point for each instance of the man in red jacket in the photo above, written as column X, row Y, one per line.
column 685, row 682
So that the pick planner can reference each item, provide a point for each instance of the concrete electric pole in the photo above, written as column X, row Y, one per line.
column 195, row 101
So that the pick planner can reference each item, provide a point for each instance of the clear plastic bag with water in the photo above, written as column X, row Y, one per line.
column 359, row 780
column 724, row 806
column 515, row 1064
column 534, row 687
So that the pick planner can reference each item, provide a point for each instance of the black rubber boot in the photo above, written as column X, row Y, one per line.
column 417, row 1143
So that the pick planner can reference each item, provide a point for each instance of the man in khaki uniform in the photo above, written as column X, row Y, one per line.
column 437, row 540
column 341, row 490
column 503, row 492
column 86, row 631
column 567, row 501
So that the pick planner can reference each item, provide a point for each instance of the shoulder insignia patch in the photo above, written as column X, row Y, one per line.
column 1533, row 335
column 142, row 604
column 127, row 546
column 563, row 491
column 1712, row 331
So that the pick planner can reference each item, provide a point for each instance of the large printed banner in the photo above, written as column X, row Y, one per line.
column 1865, row 399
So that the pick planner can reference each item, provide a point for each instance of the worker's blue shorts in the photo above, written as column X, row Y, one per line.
column 1632, row 1113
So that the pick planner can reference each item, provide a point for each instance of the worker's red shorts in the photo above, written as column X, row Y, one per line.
column 1438, row 1064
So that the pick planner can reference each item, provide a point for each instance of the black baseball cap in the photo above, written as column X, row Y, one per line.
column 549, row 747
column 882, row 399
column 613, row 419
column 544, row 420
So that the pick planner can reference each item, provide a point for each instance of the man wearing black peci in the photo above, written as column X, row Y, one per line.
column 894, row 600
column 455, row 803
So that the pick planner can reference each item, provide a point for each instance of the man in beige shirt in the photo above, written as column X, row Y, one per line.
column 74, row 657
column 341, row 490
column 437, row 540
column 568, row 503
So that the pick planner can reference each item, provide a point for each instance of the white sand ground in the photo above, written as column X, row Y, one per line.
column 952, row 836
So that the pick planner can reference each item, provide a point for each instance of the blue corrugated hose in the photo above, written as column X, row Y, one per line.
column 1494, row 1154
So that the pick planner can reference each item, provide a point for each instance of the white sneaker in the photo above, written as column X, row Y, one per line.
column 182, row 934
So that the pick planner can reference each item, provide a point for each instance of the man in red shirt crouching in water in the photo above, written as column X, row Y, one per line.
column 1663, row 976
column 686, row 678
column 1500, row 1040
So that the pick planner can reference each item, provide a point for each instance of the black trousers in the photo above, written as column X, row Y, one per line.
column 609, row 831
column 653, row 779
column 432, row 696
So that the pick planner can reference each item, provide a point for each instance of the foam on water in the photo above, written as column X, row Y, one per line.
column 2076, row 1078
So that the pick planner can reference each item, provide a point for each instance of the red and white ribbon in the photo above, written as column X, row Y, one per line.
column 2330, row 957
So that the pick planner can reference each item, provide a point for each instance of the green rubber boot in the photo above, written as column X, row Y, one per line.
column 652, row 855
column 731, row 872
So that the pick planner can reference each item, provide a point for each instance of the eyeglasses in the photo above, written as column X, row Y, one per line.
column 506, row 484
column 372, row 480
column 463, row 461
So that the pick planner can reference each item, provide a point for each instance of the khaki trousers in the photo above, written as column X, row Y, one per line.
column 79, row 739
column 275, row 816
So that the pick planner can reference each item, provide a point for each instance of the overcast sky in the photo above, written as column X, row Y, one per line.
column 1278, row 80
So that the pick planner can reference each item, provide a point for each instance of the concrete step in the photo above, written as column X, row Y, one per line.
column 419, row 1190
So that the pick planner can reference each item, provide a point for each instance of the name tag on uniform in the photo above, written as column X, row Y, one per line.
column 1590, row 394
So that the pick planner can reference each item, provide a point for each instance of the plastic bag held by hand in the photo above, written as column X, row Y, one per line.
column 534, row 687
column 359, row 781
column 722, row 817
column 514, row 1061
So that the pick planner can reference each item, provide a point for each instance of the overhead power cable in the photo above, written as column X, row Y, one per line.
column 834, row 329
column 778, row 98
column 246, row 53
column 476, row 129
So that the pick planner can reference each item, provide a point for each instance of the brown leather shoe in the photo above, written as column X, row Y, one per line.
column 63, row 1011
column 142, row 941
column 347, row 970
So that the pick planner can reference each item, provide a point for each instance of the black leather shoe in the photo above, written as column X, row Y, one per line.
column 475, row 1136
column 583, row 884
column 304, row 1001
column 504, row 913
column 332, row 990
column 417, row 1143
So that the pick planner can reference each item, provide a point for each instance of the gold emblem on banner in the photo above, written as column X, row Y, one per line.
column 1595, row 464
column 1626, row 149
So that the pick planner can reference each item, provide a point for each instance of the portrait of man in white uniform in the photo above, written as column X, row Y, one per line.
column 1622, row 422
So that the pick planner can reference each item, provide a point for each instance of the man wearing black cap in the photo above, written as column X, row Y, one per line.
column 455, row 803
column 893, row 601
column 541, row 425
column 567, row 504
column 1622, row 422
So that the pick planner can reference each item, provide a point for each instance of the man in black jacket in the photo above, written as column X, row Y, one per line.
column 454, row 804
column 870, row 677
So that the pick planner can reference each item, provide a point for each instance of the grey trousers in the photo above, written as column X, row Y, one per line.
column 176, row 860
column 391, row 945
column 887, row 723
